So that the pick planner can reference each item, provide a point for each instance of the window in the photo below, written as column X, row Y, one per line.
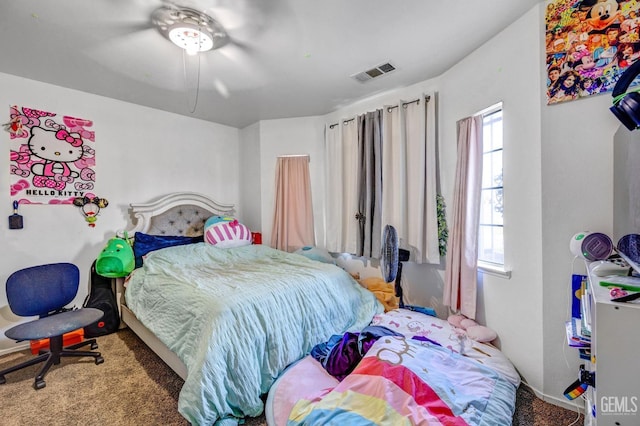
column 490, row 232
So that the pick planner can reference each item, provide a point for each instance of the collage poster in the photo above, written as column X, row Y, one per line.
column 51, row 157
column 589, row 44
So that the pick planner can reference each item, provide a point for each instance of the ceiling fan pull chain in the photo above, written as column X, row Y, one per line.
column 184, row 73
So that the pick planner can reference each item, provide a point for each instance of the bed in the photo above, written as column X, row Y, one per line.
column 229, row 321
column 427, row 374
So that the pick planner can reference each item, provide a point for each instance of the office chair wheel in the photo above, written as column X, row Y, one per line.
column 94, row 346
column 99, row 360
column 39, row 384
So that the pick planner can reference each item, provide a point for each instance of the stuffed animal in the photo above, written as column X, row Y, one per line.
column 384, row 292
column 471, row 329
column 226, row 232
column 116, row 259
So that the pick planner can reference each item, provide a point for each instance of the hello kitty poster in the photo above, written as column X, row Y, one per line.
column 52, row 157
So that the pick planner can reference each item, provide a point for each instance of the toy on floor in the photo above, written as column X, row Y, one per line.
column 468, row 327
column 384, row 292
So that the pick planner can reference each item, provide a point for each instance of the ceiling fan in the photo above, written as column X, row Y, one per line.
column 211, row 56
column 195, row 32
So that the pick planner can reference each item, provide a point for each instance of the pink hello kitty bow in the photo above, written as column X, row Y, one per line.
column 73, row 139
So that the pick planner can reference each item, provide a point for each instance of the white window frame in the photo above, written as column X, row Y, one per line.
column 484, row 266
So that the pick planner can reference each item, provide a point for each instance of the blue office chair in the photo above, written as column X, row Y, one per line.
column 43, row 291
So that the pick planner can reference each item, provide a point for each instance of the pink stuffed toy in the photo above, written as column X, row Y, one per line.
column 455, row 320
column 464, row 325
column 226, row 232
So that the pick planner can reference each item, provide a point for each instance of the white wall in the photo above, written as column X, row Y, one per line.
column 502, row 70
column 577, row 195
column 293, row 136
column 141, row 154
column 249, row 179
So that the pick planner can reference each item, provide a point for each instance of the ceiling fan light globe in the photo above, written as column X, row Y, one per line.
column 193, row 40
column 189, row 29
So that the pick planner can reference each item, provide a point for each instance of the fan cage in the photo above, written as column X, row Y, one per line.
column 389, row 254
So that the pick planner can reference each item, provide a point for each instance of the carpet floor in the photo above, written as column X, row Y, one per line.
column 134, row 387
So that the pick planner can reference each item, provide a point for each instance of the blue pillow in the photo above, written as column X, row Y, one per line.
column 145, row 243
column 315, row 253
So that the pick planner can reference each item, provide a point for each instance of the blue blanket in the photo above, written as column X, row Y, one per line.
column 237, row 317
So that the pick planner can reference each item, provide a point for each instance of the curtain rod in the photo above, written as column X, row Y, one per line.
column 331, row 126
column 404, row 104
column 295, row 155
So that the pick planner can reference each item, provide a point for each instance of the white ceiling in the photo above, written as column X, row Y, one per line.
column 288, row 58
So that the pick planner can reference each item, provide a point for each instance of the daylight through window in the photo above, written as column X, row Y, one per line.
column 491, row 237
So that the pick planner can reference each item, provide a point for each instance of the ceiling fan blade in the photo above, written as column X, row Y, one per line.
column 244, row 46
column 244, row 20
column 221, row 88
column 132, row 16
column 144, row 56
column 233, row 68
column 121, row 28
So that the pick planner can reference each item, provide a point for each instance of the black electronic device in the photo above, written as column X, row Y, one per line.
column 626, row 104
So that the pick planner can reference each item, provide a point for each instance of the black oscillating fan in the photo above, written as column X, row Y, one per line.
column 389, row 255
column 391, row 258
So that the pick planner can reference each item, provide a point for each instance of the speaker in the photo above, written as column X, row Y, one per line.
column 591, row 245
column 626, row 105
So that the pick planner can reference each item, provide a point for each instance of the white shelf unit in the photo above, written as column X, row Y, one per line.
column 615, row 356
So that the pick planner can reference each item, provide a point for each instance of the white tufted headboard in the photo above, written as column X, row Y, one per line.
column 180, row 213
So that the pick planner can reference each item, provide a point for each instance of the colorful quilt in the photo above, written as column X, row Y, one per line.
column 402, row 381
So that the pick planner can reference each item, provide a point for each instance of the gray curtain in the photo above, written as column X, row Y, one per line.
column 369, row 213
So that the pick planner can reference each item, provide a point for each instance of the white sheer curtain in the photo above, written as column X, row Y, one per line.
column 394, row 170
column 409, row 176
column 293, row 215
column 341, row 186
column 460, row 285
column 349, row 186
column 381, row 166
column 333, row 240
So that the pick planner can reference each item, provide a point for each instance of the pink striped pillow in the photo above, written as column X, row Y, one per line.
column 226, row 232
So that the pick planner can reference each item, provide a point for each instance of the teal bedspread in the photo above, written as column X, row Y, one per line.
column 237, row 317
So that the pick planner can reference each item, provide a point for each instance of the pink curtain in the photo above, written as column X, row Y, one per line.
column 293, row 217
column 461, row 276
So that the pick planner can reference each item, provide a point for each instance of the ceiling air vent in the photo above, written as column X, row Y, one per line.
column 378, row 71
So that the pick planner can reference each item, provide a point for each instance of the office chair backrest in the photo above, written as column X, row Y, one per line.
column 39, row 290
